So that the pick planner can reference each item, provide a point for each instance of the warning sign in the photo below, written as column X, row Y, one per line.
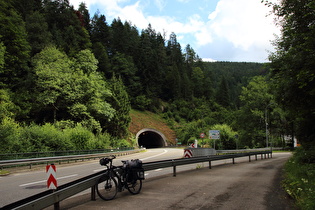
column 188, row 153
column 51, row 177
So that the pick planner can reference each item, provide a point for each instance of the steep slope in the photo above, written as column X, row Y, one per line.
column 146, row 119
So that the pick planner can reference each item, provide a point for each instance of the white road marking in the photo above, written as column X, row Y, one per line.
column 32, row 183
column 159, row 169
column 165, row 151
column 97, row 170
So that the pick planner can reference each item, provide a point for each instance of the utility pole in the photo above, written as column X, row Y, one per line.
column 266, row 121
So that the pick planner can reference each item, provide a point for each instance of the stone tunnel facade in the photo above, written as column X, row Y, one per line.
column 151, row 138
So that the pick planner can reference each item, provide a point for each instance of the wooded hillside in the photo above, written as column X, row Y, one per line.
column 66, row 68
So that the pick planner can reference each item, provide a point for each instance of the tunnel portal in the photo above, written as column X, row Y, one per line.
column 151, row 138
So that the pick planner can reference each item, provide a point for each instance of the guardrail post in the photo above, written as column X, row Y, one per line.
column 233, row 161
column 256, row 157
column 271, row 154
column 249, row 158
column 56, row 206
column 209, row 164
column 93, row 196
column 174, row 168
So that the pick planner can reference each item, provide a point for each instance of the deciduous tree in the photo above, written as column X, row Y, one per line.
column 293, row 71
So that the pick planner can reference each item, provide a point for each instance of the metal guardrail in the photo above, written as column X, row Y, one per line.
column 27, row 155
column 243, row 150
column 30, row 161
column 49, row 197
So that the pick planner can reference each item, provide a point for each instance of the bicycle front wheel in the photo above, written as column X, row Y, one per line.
column 134, row 187
column 107, row 187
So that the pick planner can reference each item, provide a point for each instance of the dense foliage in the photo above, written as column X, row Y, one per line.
column 62, row 69
column 299, row 180
column 293, row 82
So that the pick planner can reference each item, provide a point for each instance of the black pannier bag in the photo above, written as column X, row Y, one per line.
column 104, row 161
column 132, row 164
column 134, row 169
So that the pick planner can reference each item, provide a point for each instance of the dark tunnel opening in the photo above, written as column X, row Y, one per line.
column 150, row 139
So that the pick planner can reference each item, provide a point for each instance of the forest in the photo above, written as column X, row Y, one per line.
column 68, row 80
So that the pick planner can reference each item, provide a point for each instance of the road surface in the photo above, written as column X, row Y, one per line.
column 22, row 184
column 243, row 185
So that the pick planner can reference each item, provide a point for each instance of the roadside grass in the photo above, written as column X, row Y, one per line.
column 299, row 180
column 4, row 172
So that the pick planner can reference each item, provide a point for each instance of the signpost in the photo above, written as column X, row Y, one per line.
column 214, row 134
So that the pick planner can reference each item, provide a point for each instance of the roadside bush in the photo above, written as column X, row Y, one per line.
column 60, row 136
column 102, row 141
column 119, row 143
column 45, row 138
column 123, row 143
column 227, row 137
column 80, row 137
column 9, row 136
column 299, row 180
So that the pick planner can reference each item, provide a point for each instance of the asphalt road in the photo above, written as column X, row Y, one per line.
column 24, row 183
column 243, row 185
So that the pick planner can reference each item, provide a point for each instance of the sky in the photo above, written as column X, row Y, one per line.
column 218, row 30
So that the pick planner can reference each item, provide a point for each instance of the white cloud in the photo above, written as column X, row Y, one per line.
column 160, row 4
column 208, row 60
column 132, row 13
column 240, row 27
column 135, row 14
column 183, row 1
column 203, row 37
column 243, row 23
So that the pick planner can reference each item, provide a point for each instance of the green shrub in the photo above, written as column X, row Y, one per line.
column 9, row 136
column 45, row 138
column 123, row 143
column 119, row 143
column 60, row 136
column 299, row 181
column 141, row 102
column 102, row 141
column 80, row 137
column 227, row 137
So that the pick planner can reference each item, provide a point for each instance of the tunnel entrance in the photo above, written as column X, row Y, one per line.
column 151, row 138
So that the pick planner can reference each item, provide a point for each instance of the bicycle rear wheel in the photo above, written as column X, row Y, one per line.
column 106, row 187
column 134, row 187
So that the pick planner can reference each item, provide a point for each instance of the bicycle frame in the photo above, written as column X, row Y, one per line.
column 119, row 173
column 115, row 179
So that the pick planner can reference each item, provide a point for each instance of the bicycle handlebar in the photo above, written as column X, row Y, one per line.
column 113, row 157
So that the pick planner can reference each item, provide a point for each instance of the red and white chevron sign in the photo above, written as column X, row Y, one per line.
column 188, row 153
column 51, row 177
